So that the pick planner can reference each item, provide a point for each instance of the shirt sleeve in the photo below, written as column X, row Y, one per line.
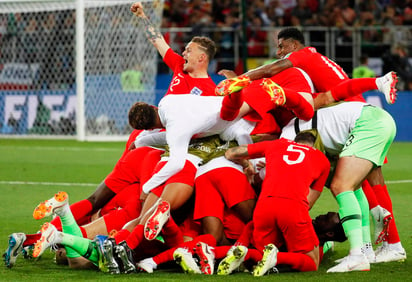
column 172, row 59
column 257, row 150
column 324, row 167
column 151, row 138
column 296, row 58
column 178, row 142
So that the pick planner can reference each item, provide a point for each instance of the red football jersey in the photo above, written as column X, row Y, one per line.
column 183, row 83
column 291, row 168
column 324, row 72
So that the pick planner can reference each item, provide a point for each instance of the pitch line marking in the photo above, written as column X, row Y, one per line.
column 75, row 149
column 46, row 183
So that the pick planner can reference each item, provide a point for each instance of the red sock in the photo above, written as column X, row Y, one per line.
column 31, row 239
column 207, row 239
column 221, row 251
column 84, row 233
column 121, row 235
column 80, row 212
column 116, row 219
column 246, row 235
column 353, row 87
column 172, row 234
column 370, row 194
column 385, row 201
column 164, row 257
column 299, row 105
column 297, row 261
column 137, row 235
column 230, row 106
column 254, row 255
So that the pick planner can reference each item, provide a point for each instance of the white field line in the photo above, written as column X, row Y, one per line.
column 95, row 184
column 75, row 149
column 46, row 183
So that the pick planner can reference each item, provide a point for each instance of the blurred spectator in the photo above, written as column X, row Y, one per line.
column 407, row 13
column 288, row 4
column 275, row 13
column 388, row 15
column 363, row 70
column 256, row 38
column 226, row 41
column 371, row 7
column 301, row 15
column 397, row 60
column 344, row 14
column 179, row 12
column 48, row 56
column 327, row 13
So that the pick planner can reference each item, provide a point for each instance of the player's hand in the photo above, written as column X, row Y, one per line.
column 132, row 146
column 137, row 9
column 227, row 73
column 231, row 85
column 143, row 197
column 260, row 165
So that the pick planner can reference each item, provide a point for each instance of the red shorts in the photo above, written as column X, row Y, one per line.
column 283, row 222
column 220, row 188
column 190, row 228
column 185, row 176
column 121, row 199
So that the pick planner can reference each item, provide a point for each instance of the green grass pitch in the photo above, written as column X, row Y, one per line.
column 33, row 170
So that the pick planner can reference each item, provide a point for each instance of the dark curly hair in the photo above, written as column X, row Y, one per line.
column 293, row 33
column 142, row 116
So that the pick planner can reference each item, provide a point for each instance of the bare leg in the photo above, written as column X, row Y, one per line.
column 213, row 226
column 100, row 197
column 245, row 210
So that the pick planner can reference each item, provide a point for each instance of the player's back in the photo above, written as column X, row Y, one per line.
column 291, row 168
column 324, row 72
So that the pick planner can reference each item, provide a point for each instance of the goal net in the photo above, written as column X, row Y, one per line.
column 74, row 68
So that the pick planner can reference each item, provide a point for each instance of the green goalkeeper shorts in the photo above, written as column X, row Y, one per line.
column 372, row 136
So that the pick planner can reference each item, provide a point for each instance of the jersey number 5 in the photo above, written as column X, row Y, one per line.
column 295, row 149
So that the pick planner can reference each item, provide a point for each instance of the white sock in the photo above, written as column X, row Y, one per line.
column 396, row 247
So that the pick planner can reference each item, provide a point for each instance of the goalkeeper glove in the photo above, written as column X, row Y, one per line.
column 231, row 85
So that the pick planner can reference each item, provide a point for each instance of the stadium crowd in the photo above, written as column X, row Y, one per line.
column 19, row 32
column 207, row 176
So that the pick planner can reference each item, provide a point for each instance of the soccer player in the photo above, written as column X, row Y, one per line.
column 282, row 215
column 332, row 84
column 220, row 187
column 190, row 74
column 102, row 206
column 328, row 228
column 325, row 73
column 360, row 135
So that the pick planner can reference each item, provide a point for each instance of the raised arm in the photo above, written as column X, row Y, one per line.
column 269, row 70
column 236, row 83
column 152, row 33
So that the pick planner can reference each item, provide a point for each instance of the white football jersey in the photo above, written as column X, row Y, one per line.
column 333, row 123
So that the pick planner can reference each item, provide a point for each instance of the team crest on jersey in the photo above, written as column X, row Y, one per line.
column 196, row 91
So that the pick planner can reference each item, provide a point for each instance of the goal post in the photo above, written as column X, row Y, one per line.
column 72, row 69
